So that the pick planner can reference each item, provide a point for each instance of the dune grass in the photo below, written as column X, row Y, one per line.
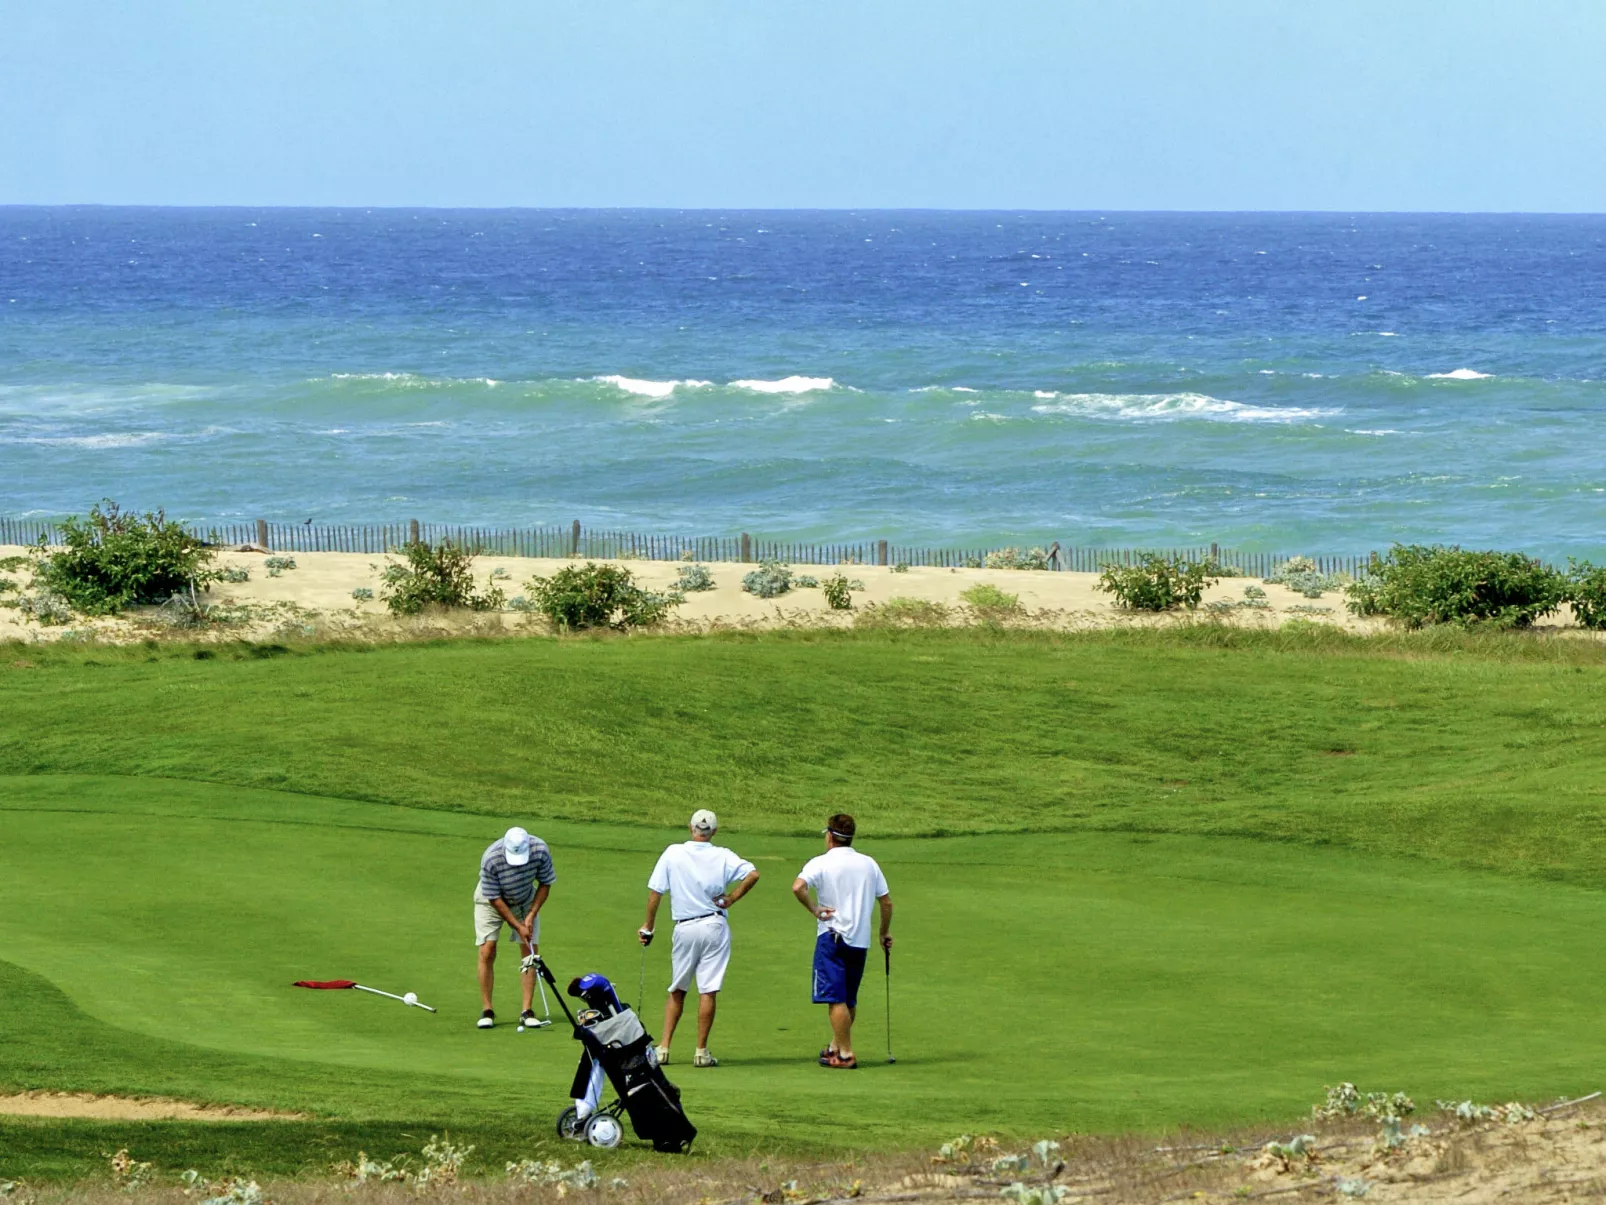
column 184, row 837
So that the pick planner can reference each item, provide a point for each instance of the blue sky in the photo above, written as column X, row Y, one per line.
column 1046, row 104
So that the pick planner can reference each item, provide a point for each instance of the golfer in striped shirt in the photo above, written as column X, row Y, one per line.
column 516, row 877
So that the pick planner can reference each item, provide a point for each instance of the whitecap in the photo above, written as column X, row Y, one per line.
column 642, row 388
column 1460, row 374
column 1044, row 393
column 787, row 385
column 1161, row 407
column 1375, row 431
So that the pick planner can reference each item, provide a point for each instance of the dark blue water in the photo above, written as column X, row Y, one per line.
column 1292, row 382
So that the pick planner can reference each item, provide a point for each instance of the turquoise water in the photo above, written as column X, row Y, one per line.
column 1311, row 383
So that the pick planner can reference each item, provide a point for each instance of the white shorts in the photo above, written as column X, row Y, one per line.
column 488, row 924
column 701, row 950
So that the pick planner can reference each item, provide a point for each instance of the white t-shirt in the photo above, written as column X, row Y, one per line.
column 850, row 882
column 694, row 874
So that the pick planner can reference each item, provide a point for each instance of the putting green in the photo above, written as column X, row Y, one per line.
column 1042, row 983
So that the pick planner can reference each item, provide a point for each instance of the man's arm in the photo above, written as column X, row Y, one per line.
column 737, row 892
column 654, row 898
column 801, row 890
column 541, row 892
column 886, row 920
column 506, row 914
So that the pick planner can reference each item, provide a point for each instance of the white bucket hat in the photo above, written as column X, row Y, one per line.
column 516, row 846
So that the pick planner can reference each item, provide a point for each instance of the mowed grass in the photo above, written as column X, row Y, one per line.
column 1099, row 973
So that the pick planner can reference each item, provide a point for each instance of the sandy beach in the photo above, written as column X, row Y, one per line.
column 315, row 599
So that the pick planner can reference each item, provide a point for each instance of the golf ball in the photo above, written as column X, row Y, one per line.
column 520, row 1029
column 410, row 998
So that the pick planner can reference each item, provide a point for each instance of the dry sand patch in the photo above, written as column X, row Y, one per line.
column 127, row 1108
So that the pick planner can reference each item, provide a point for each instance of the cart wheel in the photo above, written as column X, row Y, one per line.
column 570, row 1126
column 604, row 1130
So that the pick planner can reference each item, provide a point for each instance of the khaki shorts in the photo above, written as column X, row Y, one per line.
column 488, row 924
column 701, row 951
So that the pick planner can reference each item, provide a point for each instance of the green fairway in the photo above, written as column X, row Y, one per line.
column 1086, row 976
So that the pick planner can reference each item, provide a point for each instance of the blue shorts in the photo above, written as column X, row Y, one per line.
column 838, row 968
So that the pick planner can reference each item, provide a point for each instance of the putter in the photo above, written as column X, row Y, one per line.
column 888, row 952
column 532, row 961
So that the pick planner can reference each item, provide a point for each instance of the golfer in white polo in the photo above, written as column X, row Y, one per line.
column 848, row 889
column 697, row 875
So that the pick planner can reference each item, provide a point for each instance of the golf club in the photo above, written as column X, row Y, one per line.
column 887, row 950
column 410, row 999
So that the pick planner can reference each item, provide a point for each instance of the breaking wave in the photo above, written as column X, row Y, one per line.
column 1163, row 407
column 1460, row 374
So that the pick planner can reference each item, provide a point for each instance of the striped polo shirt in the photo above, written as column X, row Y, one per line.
column 515, row 884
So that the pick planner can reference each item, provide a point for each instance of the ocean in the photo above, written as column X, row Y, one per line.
column 1298, row 383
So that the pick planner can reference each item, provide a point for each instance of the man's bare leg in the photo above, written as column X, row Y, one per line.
column 527, row 979
column 842, row 1030
column 487, row 971
column 674, row 1005
column 707, row 1002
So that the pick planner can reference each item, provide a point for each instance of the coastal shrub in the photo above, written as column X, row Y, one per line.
column 10, row 564
column 770, row 580
column 1586, row 590
column 434, row 575
column 901, row 567
column 990, row 604
column 276, row 565
column 46, row 608
column 1015, row 558
column 805, row 582
column 234, row 574
column 598, row 596
column 903, row 613
column 362, row 594
column 1422, row 585
column 1158, row 583
column 838, row 591
column 115, row 559
column 693, row 578
column 1300, row 574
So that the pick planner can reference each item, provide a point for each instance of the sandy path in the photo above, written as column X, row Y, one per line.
column 126, row 1108
column 316, row 597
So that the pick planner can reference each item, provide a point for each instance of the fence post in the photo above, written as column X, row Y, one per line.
column 880, row 552
column 412, row 532
column 262, row 533
column 574, row 539
column 747, row 548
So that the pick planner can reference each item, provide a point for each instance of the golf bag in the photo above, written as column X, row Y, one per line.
column 617, row 1050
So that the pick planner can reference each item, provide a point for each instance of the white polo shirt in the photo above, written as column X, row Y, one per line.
column 694, row 874
column 850, row 882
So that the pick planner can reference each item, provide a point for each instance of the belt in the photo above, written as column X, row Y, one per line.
column 704, row 916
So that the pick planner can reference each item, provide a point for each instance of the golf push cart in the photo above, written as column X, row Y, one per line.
column 617, row 1050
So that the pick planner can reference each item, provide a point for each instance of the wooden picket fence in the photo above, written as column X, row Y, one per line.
column 575, row 540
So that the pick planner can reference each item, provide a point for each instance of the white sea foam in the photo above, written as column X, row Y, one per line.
column 1162, row 407
column 787, row 385
column 1460, row 374
column 1374, row 431
column 1044, row 393
column 648, row 388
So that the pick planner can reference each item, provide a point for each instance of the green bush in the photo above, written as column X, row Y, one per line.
column 234, row 574
column 770, row 580
column 434, row 575
column 903, row 613
column 115, row 559
column 1421, row 585
column 693, row 578
column 1158, row 583
column 838, row 591
column 1015, row 558
column 1586, row 590
column 598, row 596
column 1300, row 574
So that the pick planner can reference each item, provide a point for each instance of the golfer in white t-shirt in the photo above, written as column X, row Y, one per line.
column 847, row 889
column 697, row 875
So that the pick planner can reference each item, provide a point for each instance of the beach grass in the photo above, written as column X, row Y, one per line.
column 1143, row 879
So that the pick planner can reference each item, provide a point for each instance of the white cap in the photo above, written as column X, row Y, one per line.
column 516, row 846
column 704, row 821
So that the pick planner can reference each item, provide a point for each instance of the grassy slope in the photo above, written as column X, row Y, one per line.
column 1138, row 980
column 1483, row 761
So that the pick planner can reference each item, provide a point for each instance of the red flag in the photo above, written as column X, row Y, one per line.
column 326, row 983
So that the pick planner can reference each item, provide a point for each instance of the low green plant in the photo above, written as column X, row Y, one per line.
column 693, row 578
column 770, row 580
column 805, row 582
column 10, row 564
column 434, row 575
column 276, row 565
column 586, row 596
column 838, row 591
column 1158, row 583
column 1300, row 574
column 1016, row 558
column 7, row 584
column 46, row 608
column 115, row 559
column 581, row 1176
column 1345, row 1100
column 1422, row 585
column 901, row 567
column 989, row 601
column 234, row 574
column 1586, row 590
column 904, row 613
column 362, row 594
